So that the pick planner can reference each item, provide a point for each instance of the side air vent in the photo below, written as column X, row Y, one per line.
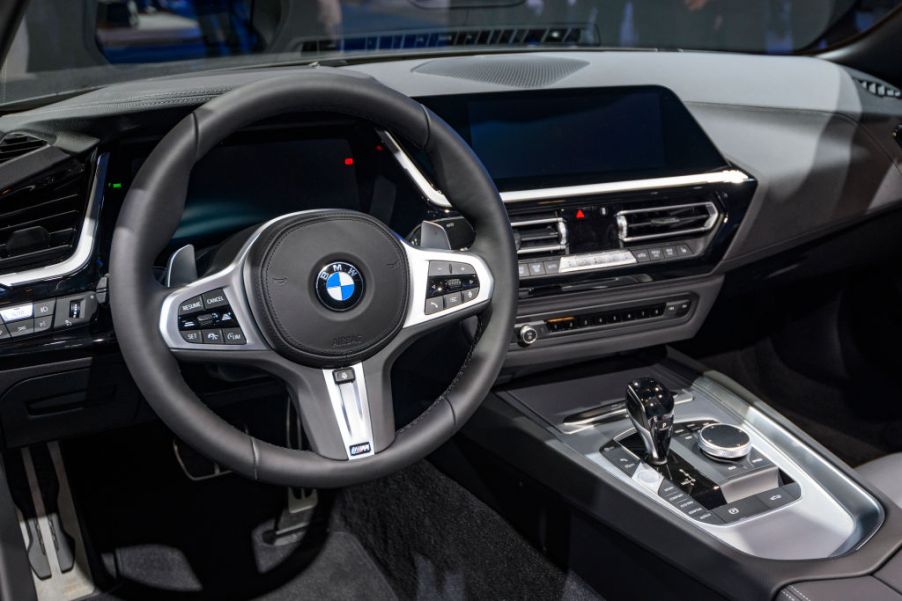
column 39, row 222
column 879, row 89
column 635, row 225
column 14, row 145
column 540, row 235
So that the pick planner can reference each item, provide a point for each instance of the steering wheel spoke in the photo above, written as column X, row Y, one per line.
column 347, row 411
column 210, row 314
column 445, row 286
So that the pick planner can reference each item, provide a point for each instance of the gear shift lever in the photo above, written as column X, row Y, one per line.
column 650, row 407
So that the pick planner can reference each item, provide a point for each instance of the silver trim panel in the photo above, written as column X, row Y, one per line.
column 833, row 516
column 436, row 197
column 85, row 246
column 352, row 412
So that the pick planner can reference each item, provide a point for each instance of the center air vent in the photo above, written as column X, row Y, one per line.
column 651, row 223
column 39, row 222
column 14, row 145
column 540, row 235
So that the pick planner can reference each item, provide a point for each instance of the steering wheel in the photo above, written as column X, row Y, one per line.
column 325, row 300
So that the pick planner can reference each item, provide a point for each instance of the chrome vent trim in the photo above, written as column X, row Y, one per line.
column 83, row 248
column 555, row 229
column 435, row 196
column 625, row 226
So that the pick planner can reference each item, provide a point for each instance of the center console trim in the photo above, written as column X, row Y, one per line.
column 437, row 198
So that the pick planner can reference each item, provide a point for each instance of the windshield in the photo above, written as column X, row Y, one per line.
column 64, row 46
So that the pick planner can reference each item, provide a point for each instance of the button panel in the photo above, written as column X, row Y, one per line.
column 695, row 495
column 451, row 284
column 563, row 265
column 209, row 319
column 46, row 315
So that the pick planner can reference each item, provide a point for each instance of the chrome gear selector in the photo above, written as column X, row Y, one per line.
column 723, row 441
column 650, row 407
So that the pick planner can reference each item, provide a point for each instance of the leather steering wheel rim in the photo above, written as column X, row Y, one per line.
column 152, row 211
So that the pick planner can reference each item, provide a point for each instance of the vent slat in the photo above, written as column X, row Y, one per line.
column 40, row 220
column 694, row 219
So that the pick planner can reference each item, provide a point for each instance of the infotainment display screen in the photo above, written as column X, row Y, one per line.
column 547, row 138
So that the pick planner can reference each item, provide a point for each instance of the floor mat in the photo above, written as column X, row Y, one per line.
column 341, row 570
column 436, row 541
column 156, row 535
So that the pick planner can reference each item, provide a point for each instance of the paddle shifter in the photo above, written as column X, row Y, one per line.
column 650, row 407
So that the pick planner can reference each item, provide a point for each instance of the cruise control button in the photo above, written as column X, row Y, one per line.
column 192, row 305
column 233, row 336
column 16, row 313
column 470, row 294
column 212, row 336
column 44, row 308
column 462, row 269
column 215, row 298
column 42, row 324
column 434, row 305
column 21, row 328
column 439, row 268
column 452, row 300
column 192, row 336
column 740, row 509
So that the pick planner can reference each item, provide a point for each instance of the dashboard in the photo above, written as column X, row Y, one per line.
column 636, row 184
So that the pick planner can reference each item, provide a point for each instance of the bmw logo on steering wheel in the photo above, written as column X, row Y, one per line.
column 339, row 286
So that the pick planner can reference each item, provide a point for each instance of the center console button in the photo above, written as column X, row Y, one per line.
column 779, row 497
column 42, row 324
column 740, row 509
column 16, row 313
column 44, row 308
column 552, row 267
column 4, row 333
column 21, row 328
column 192, row 305
column 536, row 269
column 724, row 441
column 622, row 459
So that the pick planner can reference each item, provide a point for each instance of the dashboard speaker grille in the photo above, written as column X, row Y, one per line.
column 512, row 71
